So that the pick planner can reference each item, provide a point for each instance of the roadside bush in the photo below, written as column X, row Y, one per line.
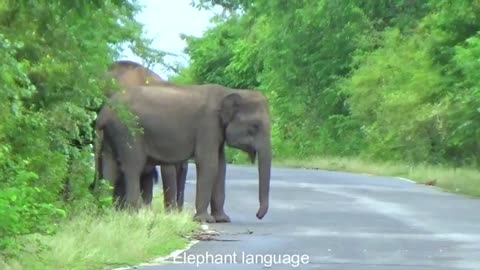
column 51, row 84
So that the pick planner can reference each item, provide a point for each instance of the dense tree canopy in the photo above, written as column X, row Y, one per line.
column 390, row 79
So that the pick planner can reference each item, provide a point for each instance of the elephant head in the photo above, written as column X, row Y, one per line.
column 245, row 117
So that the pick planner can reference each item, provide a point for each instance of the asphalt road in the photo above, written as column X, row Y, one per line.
column 337, row 221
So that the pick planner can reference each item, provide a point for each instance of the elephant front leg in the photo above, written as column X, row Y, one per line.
column 218, row 194
column 207, row 169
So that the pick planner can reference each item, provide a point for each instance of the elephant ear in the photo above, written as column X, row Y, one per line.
column 229, row 107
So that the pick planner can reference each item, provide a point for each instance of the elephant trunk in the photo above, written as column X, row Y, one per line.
column 264, row 165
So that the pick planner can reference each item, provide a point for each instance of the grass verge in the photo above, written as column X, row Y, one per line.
column 458, row 180
column 115, row 239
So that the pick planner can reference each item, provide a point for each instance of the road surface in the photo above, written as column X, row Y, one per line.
column 334, row 220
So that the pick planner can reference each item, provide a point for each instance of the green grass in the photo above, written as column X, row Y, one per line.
column 458, row 180
column 116, row 239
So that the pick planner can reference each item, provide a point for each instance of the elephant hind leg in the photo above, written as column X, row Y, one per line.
column 169, row 186
column 119, row 191
column 132, row 175
column 110, row 169
column 181, row 177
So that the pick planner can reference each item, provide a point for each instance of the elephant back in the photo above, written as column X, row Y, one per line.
column 128, row 73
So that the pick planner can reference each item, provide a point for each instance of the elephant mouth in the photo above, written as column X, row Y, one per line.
column 249, row 149
column 252, row 154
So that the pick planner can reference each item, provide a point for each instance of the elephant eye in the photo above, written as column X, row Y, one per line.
column 253, row 129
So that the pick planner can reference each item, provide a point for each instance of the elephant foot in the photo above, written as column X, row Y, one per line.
column 170, row 209
column 221, row 217
column 202, row 218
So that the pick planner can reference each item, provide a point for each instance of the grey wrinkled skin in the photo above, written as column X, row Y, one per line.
column 129, row 73
column 189, row 122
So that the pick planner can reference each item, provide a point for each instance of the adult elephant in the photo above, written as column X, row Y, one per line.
column 183, row 122
column 129, row 73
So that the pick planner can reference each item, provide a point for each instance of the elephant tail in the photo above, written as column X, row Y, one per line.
column 98, row 145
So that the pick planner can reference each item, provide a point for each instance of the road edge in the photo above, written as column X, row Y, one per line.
column 161, row 260
column 405, row 179
column 164, row 259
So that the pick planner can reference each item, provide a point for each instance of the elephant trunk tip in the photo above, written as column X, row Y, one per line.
column 262, row 211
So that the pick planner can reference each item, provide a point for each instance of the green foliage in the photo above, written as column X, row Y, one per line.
column 391, row 80
column 465, row 112
column 394, row 93
column 211, row 56
column 51, row 84
column 301, row 68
